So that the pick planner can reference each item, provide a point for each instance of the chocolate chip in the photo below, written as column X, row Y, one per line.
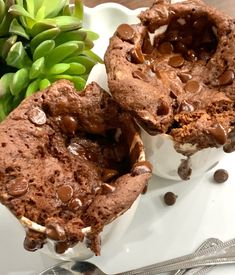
column 226, row 78
column 109, row 174
column 174, row 94
column 170, row 198
column 17, row 187
column 55, row 232
column 37, row 116
column 138, row 74
column 229, row 148
column 125, row 32
column 176, row 61
column 173, row 35
column 185, row 170
column 142, row 167
column 61, row 247
column 65, row 193
column 147, row 47
column 69, row 124
column 184, row 77
column 191, row 55
column 204, row 55
column 192, row 86
column 185, row 106
column 137, row 56
column 165, row 48
column 219, row 134
column 107, row 189
column 32, row 245
column 220, row 176
column 75, row 204
column 180, row 47
column 162, row 108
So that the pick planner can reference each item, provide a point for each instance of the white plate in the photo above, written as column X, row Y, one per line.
column 203, row 209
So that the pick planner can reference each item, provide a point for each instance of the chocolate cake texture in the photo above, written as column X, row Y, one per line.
column 174, row 72
column 70, row 161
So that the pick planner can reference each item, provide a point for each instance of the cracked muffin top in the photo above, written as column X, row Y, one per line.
column 70, row 161
column 174, row 72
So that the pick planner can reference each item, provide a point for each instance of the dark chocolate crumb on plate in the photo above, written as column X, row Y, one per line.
column 170, row 198
column 221, row 175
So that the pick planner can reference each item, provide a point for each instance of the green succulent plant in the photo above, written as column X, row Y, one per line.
column 41, row 41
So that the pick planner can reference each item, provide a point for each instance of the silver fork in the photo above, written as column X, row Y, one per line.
column 223, row 253
column 202, row 269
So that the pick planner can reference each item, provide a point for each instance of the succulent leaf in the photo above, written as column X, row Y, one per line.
column 5, row 103
column 2, row 9
column 88, row 44
column 43, row 49
column 53, row 7
column 67, row 10
column 7, row 45
column 91, row 35
column 45, row 35
column 19, row 10
column 16, row 28
column 41, row 13
column 78, row 9
column 41, row 27
column 37, row 69
column 37, row 5
column 42, row 40
column 76, row 69
column 2, row 113
column 61, row 52
column 32, row 88
column 19, row 81
column 5, row 82
column 65, row 23
column 88, row 62
column 17, row 56
column 79, row 82
column 4, row 25
column 44, row 83
column 93, row 56
column 76, row 35
column 58, row 68
column 30, row 7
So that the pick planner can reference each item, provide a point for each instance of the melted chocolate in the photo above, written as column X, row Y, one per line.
column 125, row 32
column 69, row 124
column 226, row 78
column 37, row 116
column 17, row 187
column 176, row 61
column 185, row 170
column 218, row 134
column 192, row 86
column 65, row 193
column 107, row 189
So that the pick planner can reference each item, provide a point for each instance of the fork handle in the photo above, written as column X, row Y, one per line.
column 221, row 254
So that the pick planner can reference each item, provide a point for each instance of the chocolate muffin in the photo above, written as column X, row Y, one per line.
column 70, row 163
column 174, row 72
